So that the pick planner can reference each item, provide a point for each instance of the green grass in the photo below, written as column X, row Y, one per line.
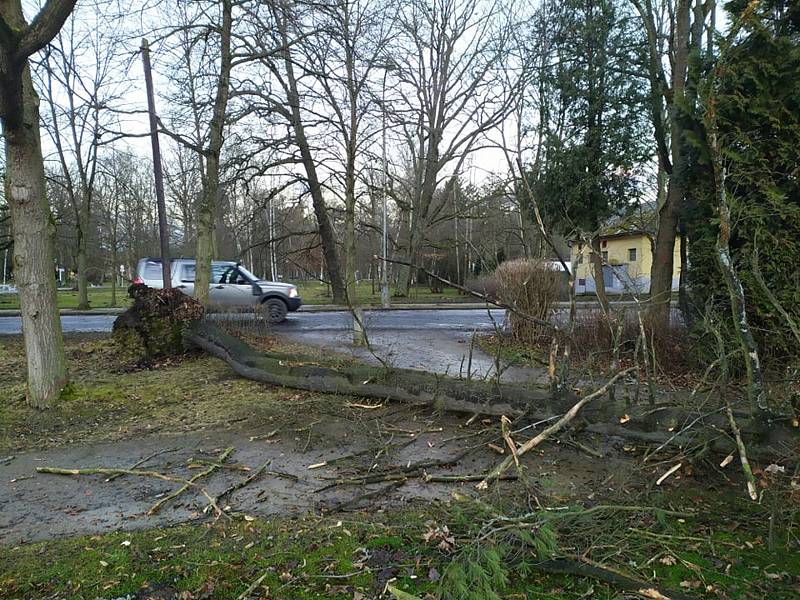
column 179, row 395
column 99, row 297
column 708, row 555
column 312, row 292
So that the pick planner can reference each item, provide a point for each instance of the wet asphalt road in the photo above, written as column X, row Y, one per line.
column 377, row 320
column 438, row 341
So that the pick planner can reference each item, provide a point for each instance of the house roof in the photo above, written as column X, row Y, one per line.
column 639, row 222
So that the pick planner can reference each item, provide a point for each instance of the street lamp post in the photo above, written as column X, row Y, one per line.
column 387, row 66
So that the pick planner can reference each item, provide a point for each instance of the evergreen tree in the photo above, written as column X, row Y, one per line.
column 596, row 138
column 758, row 108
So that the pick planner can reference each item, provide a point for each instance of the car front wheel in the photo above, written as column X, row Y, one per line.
column 276, row 310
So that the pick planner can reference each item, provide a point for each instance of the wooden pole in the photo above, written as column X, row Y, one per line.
column 163, row 232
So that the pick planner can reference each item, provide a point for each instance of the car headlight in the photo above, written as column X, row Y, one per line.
column 293, row 292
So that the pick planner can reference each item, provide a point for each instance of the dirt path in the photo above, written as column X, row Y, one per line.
column 37, row 507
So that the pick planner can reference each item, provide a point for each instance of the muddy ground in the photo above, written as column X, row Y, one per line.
column 325, row 456
column 38, row 506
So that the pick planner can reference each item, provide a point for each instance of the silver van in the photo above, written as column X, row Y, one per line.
column 232, row 286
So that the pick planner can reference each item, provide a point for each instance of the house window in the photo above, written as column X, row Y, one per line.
column 605, row 256
column 631, row 254
column 605, row 243
column 581, row 281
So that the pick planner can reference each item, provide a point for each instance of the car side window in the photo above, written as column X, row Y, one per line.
column 187, row 274
column 219, row 274
column 152, row 270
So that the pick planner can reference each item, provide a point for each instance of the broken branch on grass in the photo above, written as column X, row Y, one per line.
column 244, row 482
column 554, row 428
column 187, row 483
column 748, row 472
column 668, row 473
column 462, row 478
column 192, row 482
column 368, row 495
column 398, row 473
column 139, row 463
column 583, row 568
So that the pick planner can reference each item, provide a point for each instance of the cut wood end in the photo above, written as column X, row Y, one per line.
column 668, row 473
column 652, row 593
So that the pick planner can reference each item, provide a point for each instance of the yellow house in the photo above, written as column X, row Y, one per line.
column 627, row 260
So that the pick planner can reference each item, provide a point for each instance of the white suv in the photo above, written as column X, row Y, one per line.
column 232, row 286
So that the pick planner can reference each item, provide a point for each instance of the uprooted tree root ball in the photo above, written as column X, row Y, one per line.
column 153, row 326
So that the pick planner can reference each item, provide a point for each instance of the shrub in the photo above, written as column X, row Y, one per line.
column 485, row 284
column 530, row 287
column 592, row 340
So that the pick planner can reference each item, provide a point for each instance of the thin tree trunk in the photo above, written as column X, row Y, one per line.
column 350, row 222
column 599, row 278
column 82, row 258
column 208, row 206
column 674, row 96
column 663, row 255
column 756, row 393
column 83, row 279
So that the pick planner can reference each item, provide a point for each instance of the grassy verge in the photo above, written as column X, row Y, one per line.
column 99, row 297
column 312, row 292
column 181, row 394
column 719, row 553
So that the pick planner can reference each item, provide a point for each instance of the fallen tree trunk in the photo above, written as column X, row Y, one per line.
column 480, row 397
column 403, row 385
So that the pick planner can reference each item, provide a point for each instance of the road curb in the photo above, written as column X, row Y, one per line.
column 305, row 308
column 312, row 308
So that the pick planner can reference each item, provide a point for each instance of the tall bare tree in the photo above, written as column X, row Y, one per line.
column 348, row 48
column 449, row 60
column 212, row 34
column 276, row 92
column 211, row 187
column 76, row 76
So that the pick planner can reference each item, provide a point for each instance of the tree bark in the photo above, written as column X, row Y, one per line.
column 669, row 213
column 327, row 234
column 599, row 277
column 83, row 262
column 31, row 221
column 208, row 207
column 663, row 253
column 403, row 385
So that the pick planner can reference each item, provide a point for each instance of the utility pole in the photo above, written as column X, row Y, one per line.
column 158, row 174
column 273, row 260
column 385, row 232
